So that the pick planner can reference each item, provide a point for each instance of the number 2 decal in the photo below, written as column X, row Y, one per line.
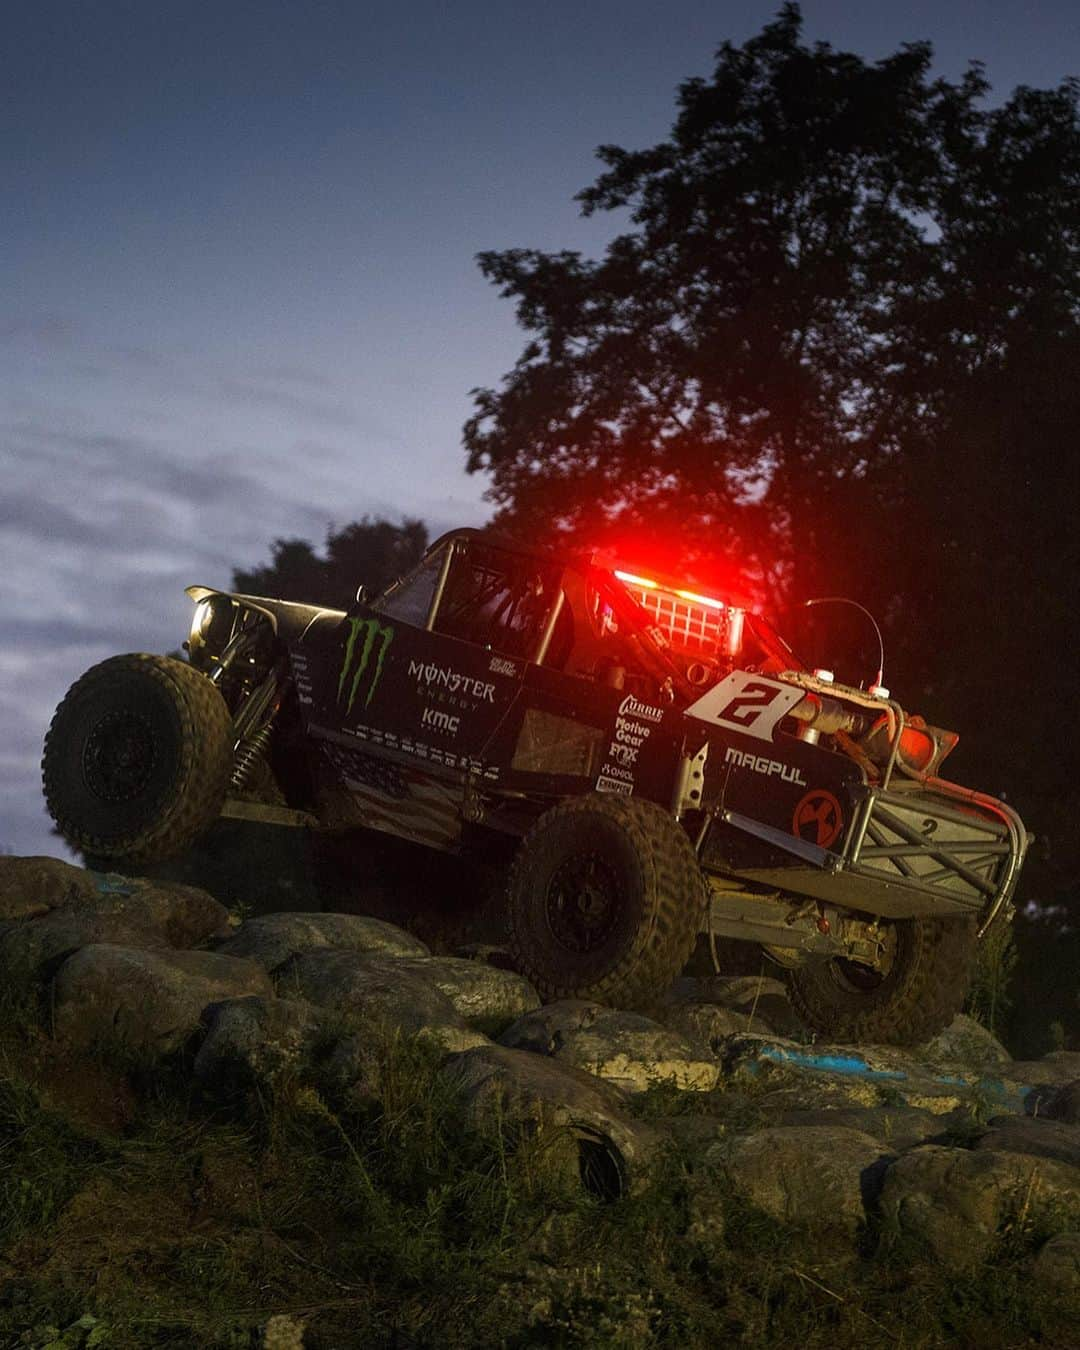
column 747, row 703
column 746, row 707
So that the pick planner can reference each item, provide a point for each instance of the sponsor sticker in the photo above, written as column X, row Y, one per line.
column 747, row 703
column 365, row 651
column 606, row 783
column 630, row 707
column 746, row 759
column 818, row 818
column 429, row 676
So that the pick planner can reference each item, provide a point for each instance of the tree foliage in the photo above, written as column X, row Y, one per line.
column 369, row 552
column 822, row 258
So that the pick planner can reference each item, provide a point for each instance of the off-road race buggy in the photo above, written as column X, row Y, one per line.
column 656, row 762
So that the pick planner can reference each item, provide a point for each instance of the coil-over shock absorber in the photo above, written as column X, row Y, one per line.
column 254, row 725
column 250, row 754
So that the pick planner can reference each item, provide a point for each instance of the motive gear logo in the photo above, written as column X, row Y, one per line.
column 818, row 818
column 373, row 632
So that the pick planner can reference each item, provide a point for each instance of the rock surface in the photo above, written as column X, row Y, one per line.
column 254, row 1041
column 271, row 939
column 1057, row 1265
column 623, row 1048
column 616, row 1152
column 816, row 1177
column 951, row 1146
column 145, row 1003
column 955, row 1201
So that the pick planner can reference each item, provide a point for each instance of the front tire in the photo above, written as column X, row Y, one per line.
column 605, row 901
column 919, row 991
column 137, row 758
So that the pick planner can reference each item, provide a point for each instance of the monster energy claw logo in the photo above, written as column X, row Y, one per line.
column 372, row 630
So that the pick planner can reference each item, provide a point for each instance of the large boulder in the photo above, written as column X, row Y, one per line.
column 1064, row 1104
column 623, row 1048
column 1057, row 1266
column 615, row 1153
column 179, row 916
column 954, row 1201
column 1058, row 1068
column 145, row 1004
column 388, row 991
column 822, row 1075
column 896, row 1128
column 255, row 1042
column 760, row 1000
column 1037, row 1138
column 965, row 1041
column 271, row 939
column 702, row 1023
column 486, row 996
column 819, row 1178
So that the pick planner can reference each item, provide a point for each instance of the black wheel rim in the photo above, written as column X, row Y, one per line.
column 119, row 756
column 582, row 902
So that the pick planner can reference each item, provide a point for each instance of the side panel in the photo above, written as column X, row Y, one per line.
column 569, row 735
column 399, row 716
column 433, row 698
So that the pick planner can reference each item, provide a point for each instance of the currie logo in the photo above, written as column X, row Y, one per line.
column 365, row 661
column 630, row 707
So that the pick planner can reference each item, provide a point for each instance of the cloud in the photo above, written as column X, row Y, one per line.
column 267, row 396
column 147, row 472
column 39, row 330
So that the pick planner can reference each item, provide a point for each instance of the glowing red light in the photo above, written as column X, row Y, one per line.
column 648, row 585
column 701, row 599
column 637, row 581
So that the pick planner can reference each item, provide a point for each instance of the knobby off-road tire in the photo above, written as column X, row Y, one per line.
column 137, row 758
column 605, row 901
column 918, row 995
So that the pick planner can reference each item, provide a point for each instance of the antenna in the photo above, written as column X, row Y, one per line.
column 877, row 687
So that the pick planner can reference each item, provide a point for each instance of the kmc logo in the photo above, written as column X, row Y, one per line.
column 373, row 632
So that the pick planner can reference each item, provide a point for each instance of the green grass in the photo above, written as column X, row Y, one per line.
column 396, row 1222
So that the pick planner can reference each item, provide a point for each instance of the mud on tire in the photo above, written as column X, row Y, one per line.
column 916, row 997
column 605, row 901
column 137, row 758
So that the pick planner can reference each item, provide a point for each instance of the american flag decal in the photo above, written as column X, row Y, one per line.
column 398, row 799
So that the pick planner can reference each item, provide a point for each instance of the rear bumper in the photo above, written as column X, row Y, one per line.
column 932, row 849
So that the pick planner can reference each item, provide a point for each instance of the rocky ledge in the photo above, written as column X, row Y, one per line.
column 949, row 1144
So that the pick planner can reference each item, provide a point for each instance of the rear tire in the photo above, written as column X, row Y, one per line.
column 917, row 996
column 137, row 759
column 606, row 899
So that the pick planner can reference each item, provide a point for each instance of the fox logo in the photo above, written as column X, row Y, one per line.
column 373, row 632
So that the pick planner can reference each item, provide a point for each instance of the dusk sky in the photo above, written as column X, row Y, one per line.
column 238, row 295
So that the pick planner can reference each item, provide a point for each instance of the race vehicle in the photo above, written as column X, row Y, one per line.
column 653, row 761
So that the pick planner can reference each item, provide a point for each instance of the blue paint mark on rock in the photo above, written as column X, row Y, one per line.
column 110, row 883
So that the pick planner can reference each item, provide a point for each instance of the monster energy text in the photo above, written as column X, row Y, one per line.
column 359, row 665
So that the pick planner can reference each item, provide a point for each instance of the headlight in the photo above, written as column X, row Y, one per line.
column 202, row 618
column 211, row 626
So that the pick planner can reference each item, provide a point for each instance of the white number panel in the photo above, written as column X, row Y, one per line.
column 748, row 703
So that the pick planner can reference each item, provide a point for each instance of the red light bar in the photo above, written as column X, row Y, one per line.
column 637, row 581
column 701, row 599
column 648, row 585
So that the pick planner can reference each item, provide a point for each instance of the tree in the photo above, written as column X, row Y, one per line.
column 372, row 552
column 823, row 256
